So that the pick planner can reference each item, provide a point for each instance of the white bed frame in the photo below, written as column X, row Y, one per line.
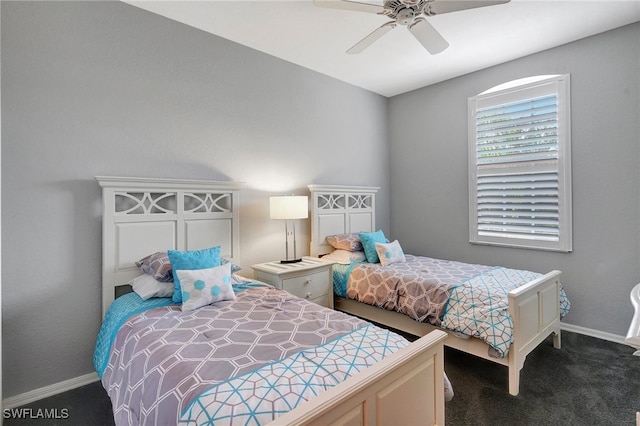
column 534, row 307
column 143, row 215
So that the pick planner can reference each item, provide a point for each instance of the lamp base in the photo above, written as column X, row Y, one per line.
column 291, row 261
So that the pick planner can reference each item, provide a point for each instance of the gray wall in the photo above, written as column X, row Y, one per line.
column 93, row 88
column 429, row 186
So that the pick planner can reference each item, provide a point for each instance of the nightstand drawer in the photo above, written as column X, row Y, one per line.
column 308, row 286
column 309, row 279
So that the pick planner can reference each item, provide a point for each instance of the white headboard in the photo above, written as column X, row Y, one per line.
column 143, row 215
column 340, row 209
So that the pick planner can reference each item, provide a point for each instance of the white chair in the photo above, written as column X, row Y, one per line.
column 633, row 335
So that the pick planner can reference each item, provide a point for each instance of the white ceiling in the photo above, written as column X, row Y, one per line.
column 316, row 38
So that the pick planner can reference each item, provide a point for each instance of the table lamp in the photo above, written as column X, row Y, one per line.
column 289, row 208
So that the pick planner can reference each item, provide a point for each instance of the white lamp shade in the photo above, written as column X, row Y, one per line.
column 289, row 207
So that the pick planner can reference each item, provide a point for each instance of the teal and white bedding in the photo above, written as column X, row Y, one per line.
column 341, row 275
column 243, row 361
column 466, row 298
column 278, row 387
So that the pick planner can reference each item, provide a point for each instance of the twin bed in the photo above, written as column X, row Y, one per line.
column 256, row 355
column 237, row 351
column 532, row 304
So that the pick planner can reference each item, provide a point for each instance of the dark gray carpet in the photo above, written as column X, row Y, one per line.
column 87, row 405
column 587, row 382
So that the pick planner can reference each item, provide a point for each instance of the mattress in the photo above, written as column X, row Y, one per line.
column 244, row 361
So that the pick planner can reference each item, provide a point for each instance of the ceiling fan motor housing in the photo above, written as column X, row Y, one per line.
column 404, row 11
column 405, row 16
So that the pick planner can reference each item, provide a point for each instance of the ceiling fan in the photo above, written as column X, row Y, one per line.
column 410, row 13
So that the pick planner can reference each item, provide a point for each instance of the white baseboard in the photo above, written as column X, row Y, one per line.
column 54, row 389
column 593, row 333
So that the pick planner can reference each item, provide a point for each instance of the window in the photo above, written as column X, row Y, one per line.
column 520, row 165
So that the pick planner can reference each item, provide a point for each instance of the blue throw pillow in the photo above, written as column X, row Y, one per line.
column 190, row 260
column 369, row 240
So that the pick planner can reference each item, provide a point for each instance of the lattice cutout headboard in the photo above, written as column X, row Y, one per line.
column 142, row 216
column 340, row 209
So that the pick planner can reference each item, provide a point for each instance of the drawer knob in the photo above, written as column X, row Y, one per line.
column 307, row 282
column 308, row 295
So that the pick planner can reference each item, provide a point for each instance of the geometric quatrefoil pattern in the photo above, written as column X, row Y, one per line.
column 418, row 287
column 337, row 201
column 145, row 203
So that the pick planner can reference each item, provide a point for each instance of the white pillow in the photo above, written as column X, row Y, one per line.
column 344, row 257
column 147, row 287
column 201, row 287
column 390, row 253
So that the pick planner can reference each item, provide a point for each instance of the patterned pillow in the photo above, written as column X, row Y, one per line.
column 349, row 242
column 203, row 287
column 147, row 287
column 369, row 240
column 157, row 265
column 190, row 260
column 390, row 253
column 234, row 268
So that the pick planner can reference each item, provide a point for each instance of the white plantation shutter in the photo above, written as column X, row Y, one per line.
column 519, row 163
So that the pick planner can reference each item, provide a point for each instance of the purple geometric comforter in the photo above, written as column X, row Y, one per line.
column 163, row 358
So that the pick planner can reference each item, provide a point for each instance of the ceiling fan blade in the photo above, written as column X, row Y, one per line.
column 371, row 38
column 428, row 36
column 438, row 7
column 349, row 5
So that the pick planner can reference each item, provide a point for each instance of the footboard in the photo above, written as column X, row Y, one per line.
column 535, row 312
column 380, row 395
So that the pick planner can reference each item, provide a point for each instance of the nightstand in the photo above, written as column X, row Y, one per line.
column 310, row 279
